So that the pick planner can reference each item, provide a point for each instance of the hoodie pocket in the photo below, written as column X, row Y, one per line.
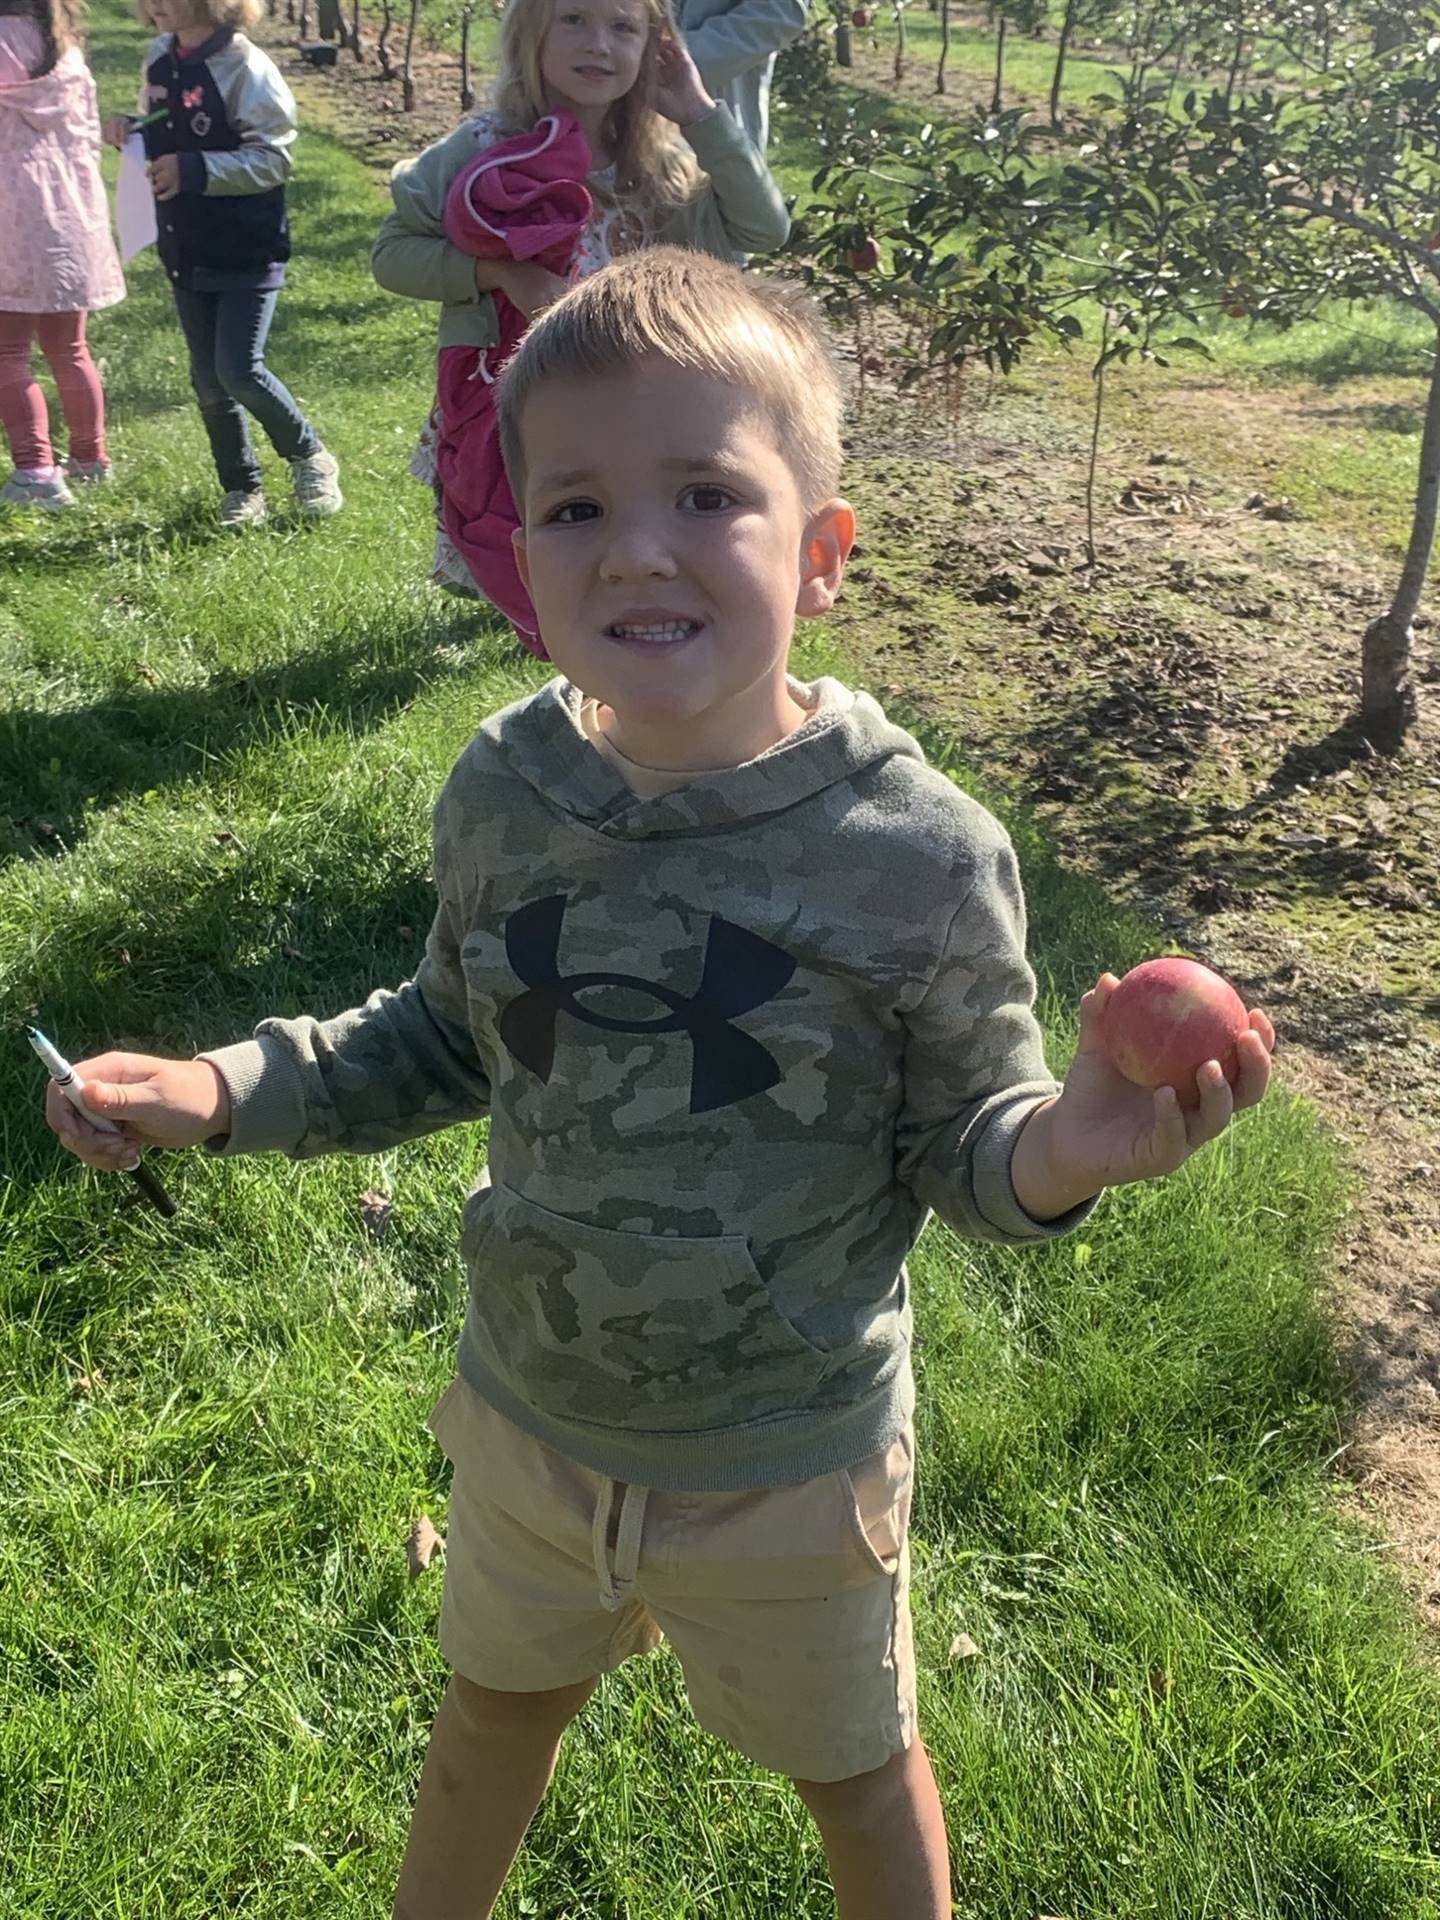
column 668, row 1333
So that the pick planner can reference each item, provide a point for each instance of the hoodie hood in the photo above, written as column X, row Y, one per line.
column 57, row 101
column 546, row 746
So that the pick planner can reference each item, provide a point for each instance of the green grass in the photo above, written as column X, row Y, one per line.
column 1196, row 1695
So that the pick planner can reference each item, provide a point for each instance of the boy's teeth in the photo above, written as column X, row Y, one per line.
column 666, row 630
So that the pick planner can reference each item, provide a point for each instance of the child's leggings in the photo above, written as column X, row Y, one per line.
column 22, row 404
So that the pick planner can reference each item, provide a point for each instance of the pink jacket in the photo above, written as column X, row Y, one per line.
column 525, row 199
column 57, row 255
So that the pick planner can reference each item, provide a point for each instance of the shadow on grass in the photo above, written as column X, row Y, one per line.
column 1353, row 356
column 135, row 741
column 71, row 541
column 1394, row 416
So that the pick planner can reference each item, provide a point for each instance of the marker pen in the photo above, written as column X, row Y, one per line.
column 63, row 1074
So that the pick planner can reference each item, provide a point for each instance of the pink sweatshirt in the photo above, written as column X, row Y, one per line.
column 58, row 256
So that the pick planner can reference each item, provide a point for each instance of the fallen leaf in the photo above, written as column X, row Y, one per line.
column 84, row 1384
column 375, row 1211
column 962, row 1647
column 292, row 953
column 422, row 1545
column 1160, row 1683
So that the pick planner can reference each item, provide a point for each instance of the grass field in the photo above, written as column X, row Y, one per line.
column 1195, row 1693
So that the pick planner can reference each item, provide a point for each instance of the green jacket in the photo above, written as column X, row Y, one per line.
column 734, row 1043
column 738, row 210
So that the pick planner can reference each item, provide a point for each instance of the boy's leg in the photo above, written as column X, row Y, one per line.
column 884, row 1837
column 77, row 380
column 23, row 413
column 489, row 1762
column 224, row 419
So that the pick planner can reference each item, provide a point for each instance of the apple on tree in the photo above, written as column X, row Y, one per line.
column 865, row 257
column 1166, row 1018
column 860, row 17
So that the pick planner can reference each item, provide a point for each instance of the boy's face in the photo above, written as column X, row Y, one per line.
column 668, row 551
column 591, row 53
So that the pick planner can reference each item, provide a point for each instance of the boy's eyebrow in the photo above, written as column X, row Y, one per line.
column 681, row 463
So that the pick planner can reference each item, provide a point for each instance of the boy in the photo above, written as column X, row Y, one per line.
column 741, row 983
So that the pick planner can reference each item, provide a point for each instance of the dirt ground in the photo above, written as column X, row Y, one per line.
column 1178, row 717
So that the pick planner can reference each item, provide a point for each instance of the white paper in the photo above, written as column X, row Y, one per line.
column 134, row 202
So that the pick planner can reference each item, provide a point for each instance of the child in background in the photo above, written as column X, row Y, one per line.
column 218, row 162
column 741, row 984
column 666, row 163
column 57, row 260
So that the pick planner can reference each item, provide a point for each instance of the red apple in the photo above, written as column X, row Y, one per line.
column 866, row 257
column 1167, row 1018
column 860, row 18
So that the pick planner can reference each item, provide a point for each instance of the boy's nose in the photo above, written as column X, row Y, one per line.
column 637, row 552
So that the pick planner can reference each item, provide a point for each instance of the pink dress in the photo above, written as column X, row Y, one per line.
column 57, row 256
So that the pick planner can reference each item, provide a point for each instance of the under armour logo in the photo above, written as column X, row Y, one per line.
column 741, row 971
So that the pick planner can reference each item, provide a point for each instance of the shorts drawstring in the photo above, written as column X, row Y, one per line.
column 615, row 1588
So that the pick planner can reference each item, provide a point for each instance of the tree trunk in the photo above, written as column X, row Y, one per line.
column 382, row 47
column 842, row 44
column 900, row 42
column 1093, row 467
column 997, row 99
column 407, row 75
column 329, row 22
column 304, row 19
column 467, row 92
column 1387, row 686
column 355, row 47
column 1067, row 27
column 944, row 45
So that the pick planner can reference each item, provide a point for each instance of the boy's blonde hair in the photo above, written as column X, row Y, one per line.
column 213, row 13
column 690, row 310
column 655, row 172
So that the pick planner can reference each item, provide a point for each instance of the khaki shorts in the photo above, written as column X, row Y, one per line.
column 788, row 1607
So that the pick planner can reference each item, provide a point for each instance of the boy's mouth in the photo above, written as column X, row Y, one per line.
column 654, row 633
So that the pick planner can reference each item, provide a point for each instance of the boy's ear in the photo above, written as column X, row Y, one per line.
column 829, row 536
column 522, row 558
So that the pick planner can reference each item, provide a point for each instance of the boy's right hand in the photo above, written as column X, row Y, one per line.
column 154, row 1103
column 116, row 130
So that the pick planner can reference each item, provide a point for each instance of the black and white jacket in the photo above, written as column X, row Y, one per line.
column 231, row 118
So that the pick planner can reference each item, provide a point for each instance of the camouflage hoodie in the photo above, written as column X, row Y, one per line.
column 734, row 1043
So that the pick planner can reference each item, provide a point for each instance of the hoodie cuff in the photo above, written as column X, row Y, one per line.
column 994, row 1189
column 194, row 177
column 267, row 1101
column 714, row 135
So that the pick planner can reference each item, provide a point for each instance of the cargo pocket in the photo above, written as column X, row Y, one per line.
column 668, row 1333
column 878, row 1491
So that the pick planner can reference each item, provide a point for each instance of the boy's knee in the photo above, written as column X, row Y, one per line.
column 865, row 1799
column 484, row 1710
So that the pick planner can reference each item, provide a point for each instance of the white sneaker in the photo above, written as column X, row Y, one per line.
column 239, row 510
column 89, row 473
column 317, row 484
column 32, row 487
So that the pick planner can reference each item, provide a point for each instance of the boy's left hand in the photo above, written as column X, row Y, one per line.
column 1104, row 1131
column 165, row 176
column 678, row 91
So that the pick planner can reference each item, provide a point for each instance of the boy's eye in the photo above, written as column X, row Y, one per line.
column 571, row 513
column 708, row 497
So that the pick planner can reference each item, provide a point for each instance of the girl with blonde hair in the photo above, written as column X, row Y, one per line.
column 599, row 95
column 57, row 264
column 219, row 123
